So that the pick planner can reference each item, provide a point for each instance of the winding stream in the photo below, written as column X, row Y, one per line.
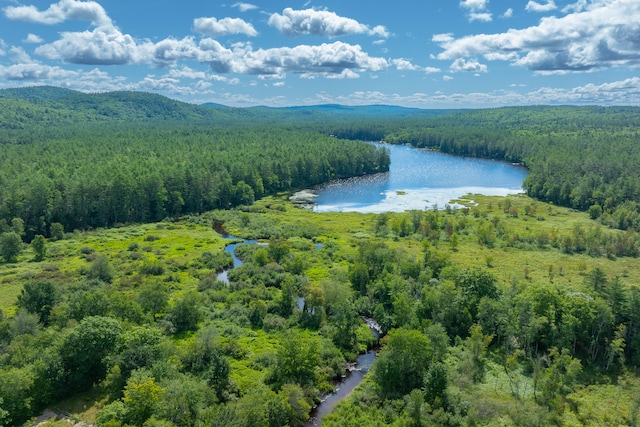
column 355, row 372
column 354, row 376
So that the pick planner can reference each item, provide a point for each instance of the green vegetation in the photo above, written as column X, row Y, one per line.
column 516, row 332
column 151, row 159
column 508, row 311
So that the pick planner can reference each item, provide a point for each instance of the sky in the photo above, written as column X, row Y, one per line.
column 412, row 53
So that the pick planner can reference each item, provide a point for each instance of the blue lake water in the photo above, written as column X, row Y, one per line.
column 419, row 179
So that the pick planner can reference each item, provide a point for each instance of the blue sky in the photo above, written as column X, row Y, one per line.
column 414, row 53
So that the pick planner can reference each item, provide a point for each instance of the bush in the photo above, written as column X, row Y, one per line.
column 10, row 246
column 152, row 268
column 101, row 269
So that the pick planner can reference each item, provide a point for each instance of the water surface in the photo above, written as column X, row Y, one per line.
column 419, row 179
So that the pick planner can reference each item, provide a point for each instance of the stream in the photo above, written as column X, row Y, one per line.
column 354, row 373
column 353, row 377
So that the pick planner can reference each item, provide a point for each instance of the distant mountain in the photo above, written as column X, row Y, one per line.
column 359, row 110
column 372, row 111
column 46, row 105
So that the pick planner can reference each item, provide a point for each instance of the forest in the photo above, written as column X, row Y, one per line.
column 521, row 310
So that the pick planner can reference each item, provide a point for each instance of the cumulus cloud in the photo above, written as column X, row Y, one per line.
column 461, row 65
column 332, row 60
column 431, row 70
column 534, row 6
column 102, row 46
column 320, row 23
column 474, row 4
column 59, row 12
column 508, row 13
column 34, row 71
column 579, row 6
column 336, row 59
column 224, row 26
column 477, row 10
column 482, row 17
column 606, row 34
column 20, row 56
column 33, row 38
column 244, row 7
column 404, row 65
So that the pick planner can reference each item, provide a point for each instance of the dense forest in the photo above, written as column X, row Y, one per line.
column 515, row 311
column 177, row 161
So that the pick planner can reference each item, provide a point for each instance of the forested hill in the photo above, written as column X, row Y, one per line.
column 95, row 160
column 29, row 114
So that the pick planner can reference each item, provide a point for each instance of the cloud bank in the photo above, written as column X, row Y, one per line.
column 605, row 34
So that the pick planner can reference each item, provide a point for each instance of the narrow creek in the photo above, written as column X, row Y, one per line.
column 353, row 377
column 354, row 373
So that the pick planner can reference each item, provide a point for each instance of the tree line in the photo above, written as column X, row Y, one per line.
column 109, row 176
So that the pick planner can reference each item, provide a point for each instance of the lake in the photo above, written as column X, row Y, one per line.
column 419, row 179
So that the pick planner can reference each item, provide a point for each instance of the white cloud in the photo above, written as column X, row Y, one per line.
column 474, row 4
column 34, row 71
column 534, row 6
column 59, row 12
column 102, row 46
column 320, row 23
column 477, row 10
column 508, row 13
column 603, row 35
column 404, row 64
column 460, row 65
column 33, row 38
column 224, row 26
column 20, row 56
column 443, row 38
column 431, row 70
column 244, row 7
column 482, row 17
column 379, row 31
column 336, row 59
column 189, row 73
column 579, row 6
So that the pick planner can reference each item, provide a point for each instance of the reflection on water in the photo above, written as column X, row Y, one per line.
column 419, row 179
